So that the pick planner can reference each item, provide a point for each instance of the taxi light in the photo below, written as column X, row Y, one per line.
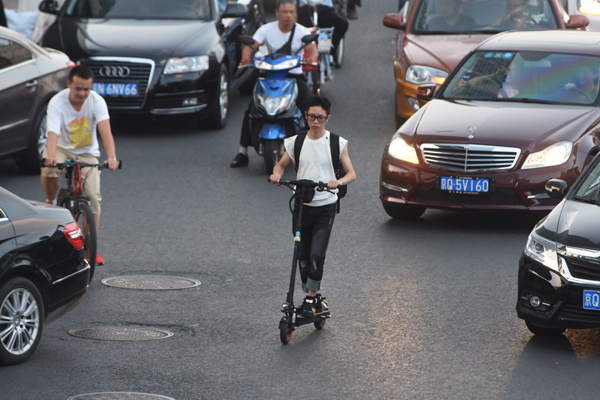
column 74, row 235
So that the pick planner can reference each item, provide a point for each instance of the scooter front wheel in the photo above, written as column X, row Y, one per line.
column 285, row 332
column 321, row 324
column 271, row 154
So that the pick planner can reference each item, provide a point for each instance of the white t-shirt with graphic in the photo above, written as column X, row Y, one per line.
column 76, row 130
column 315, row 164
column 271, row 36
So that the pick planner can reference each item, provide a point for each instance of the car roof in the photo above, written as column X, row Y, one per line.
column 562, row 41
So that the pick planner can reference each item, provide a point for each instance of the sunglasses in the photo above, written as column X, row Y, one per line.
column 313, row 117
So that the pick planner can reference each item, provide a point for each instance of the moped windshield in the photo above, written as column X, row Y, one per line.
column 140, row 9
column 528, row 77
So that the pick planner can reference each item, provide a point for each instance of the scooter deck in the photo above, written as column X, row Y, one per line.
column 300, row 320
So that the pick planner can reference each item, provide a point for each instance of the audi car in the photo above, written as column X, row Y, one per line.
column 156, row 57
column 43, row 272
column 520, row 109
column 29, row 77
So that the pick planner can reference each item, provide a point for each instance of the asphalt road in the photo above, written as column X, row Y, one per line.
column 421, row 310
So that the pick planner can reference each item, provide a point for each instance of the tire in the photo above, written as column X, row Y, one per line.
column 271, row 154
column 321, row 324
column 542, row 331
column 29, row 320
column 85, row 220
column 63, row 200
column 339, row 54
column 316, row 81
column 218, row 117
column 285, row 333
column 30, row 160
column 399, row 211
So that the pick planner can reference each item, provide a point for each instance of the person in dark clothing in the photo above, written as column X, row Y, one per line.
column 3, row 21
column 277, row 35
column 327, row 18
column 351, row 9
column 451, row 18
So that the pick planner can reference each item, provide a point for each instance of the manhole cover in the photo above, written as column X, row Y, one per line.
column 119, row 396
column 151, row 282
column 120, row 333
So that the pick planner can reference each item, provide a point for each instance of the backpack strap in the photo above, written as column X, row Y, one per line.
column 298, row 148
column 334, row 145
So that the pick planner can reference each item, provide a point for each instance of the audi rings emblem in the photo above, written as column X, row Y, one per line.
column 114, row 72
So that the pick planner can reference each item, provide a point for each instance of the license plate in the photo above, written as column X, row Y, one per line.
column 464, row 185
column 591, row 300
column 115, row 89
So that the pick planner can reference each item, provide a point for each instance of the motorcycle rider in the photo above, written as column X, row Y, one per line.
column 327, row 19
column 282, row 36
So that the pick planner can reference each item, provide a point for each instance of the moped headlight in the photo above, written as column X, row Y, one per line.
column 400, row 150
column 542, row 250
column 274, row 105
column 262, row 65
column 556, row 154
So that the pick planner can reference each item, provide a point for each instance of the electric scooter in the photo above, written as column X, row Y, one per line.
column 274, row 115
column 291, row 316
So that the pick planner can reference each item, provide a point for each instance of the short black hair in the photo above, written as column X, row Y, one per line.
column 82, row 71
column 319, row 101
column 280, row 2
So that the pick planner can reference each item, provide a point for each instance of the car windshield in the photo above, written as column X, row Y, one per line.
column 590, row 188
column 482, row 16
column 140, row 9
column 526, row 76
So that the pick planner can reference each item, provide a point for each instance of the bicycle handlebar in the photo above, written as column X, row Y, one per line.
column 71, row 164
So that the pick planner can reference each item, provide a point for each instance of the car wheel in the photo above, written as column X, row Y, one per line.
column 542, row 331
column 21, row 320
column 218, row 118
column 400, row 211
column 31, row 158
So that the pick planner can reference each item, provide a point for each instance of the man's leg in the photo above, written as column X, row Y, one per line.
column 50, row 177
column 303, row 92
column 320, row 240
column 241, row 158
column 304, row 262
column 91, row 189
column 351, row 9
column 328, row 18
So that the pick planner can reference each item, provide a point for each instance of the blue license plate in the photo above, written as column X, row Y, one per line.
column 464, row 185
column 115, row 89
column 591, row 300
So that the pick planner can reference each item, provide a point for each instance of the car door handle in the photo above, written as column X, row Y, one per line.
column 31, row 84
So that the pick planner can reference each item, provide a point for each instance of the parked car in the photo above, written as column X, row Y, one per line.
column 43, row 272
column 428, row 47
column 158, row 57
column 520, row 109
column 29, row 77
column 559, row 271
column 589, row 8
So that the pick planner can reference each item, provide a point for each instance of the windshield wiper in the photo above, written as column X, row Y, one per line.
column 588, row 200
column 529, row 100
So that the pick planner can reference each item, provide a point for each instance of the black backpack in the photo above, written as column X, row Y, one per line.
column 334, row 146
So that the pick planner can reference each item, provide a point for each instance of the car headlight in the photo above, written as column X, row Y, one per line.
column 274, row 105
column 177, row 65
column 556, row 154
column 590, row 7
column 402, row 151
column 420, row 75
column 542, row 250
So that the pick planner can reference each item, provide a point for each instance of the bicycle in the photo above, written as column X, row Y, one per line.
column 73, row 200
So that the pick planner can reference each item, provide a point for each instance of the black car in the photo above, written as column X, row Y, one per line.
column 43, row 272
column 29, row 77
column 559, row 271
column 159, row 57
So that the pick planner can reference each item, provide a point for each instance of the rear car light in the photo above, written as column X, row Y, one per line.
column 74, row 235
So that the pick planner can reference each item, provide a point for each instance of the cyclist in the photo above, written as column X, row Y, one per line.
column 317, row 218
column 327, row 19
column 74, row 115
column 277, row 36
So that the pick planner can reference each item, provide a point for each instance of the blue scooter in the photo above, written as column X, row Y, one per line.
column 274, row 115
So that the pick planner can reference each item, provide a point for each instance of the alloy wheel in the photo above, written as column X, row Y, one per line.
column 19, row 321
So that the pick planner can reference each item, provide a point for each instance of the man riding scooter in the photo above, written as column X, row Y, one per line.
column 282, row 36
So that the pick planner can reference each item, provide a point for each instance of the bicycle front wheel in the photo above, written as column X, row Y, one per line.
column 85, row 220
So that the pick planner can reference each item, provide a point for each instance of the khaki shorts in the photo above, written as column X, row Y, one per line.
column 90, row 176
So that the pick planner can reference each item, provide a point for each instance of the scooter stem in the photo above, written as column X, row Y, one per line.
column 290, row 294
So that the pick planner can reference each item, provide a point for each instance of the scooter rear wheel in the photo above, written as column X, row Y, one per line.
column 321, row 324
column 285, row 333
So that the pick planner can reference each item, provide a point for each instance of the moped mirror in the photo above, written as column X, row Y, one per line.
column 310, row 38
column 235, row 10
column 247, row 40
column 578, row 21
column 49, row 7
column 426, row 92
column 394, row 21
column 556, row 188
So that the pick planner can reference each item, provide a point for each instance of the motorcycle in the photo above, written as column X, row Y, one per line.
column 317, row 76
column 274, row 115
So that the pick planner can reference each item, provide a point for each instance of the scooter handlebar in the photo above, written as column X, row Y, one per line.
column 320, row 186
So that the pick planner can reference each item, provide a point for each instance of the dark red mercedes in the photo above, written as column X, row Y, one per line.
column 520, row 109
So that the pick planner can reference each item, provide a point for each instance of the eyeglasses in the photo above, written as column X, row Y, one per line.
column 313, row 117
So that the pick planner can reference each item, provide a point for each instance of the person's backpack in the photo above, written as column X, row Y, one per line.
column 334, row 146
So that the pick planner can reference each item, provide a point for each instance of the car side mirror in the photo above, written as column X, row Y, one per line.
column 310, row 38
column 49, row 7
column 426, row 92
column 394, row 21
column 556, row 188
column 578, row 21
column 235, row 10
